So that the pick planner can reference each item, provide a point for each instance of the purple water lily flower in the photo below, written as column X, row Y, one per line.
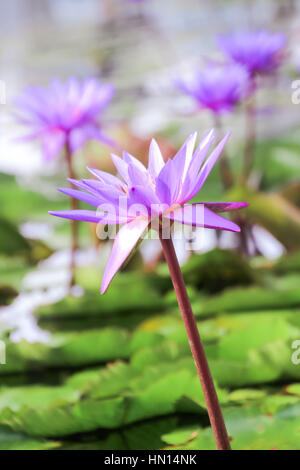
column 261, row 52
column 218, row 88
column 158, row 192
column 65, row 113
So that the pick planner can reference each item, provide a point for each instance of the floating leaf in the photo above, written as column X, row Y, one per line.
column 249, row 429
column 112, row 303
column 293, row 389
column 10, row 440
column 250, row 298
column 217, row 269
column 68, row 350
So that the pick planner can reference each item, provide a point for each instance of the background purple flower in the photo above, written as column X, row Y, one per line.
column 217, row 87
column 259, row 51
column 65, row 113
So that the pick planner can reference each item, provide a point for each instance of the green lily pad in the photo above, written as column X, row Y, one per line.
column 249, row 429
column 10, row 440
column 67, row 350
column 217, row 269
column 293, row 389
column 249, row 298
column 126, row 294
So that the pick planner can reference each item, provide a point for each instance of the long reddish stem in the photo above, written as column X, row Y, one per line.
column 74, row 223
column 209, row 391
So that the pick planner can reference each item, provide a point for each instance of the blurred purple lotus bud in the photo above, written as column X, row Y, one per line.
column 218, row 87
column 64, row 114
column 261, row 52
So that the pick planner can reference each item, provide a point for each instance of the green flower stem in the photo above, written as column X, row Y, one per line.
column 209, row 391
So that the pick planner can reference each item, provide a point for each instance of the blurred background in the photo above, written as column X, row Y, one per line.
column 84, row 371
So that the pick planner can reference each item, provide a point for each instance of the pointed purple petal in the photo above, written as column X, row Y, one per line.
column 208, row 165
column 121, row 166
column 91, row 216
column 82, row 185
column 210, row 162
column 130, row 159
column 106, row 178
column 193, row 170
column 183, row 157
column 193, row 214
column 125, row 241
column 225, row 206
column 167, row 183
column 200, row 152
column 98, row 185
column 143, row 195
column 84, row 215
column 137, row 177
column 80, row 195
column 115, row 219
column 156, row 161
column 105, row 193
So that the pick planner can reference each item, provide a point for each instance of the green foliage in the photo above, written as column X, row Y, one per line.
column 278, row 161
column 112, row 303
column 36, row 396
column 250, row 428
column 117, row 395
column 11, row 241
column 68, row 350
column 10, row 440
column 216, row 270
column 135, row 386
column 117, row 372
column 288, row 264
column 12, row 271
column 250, row 298
column 141, row 436
column 21, row 203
